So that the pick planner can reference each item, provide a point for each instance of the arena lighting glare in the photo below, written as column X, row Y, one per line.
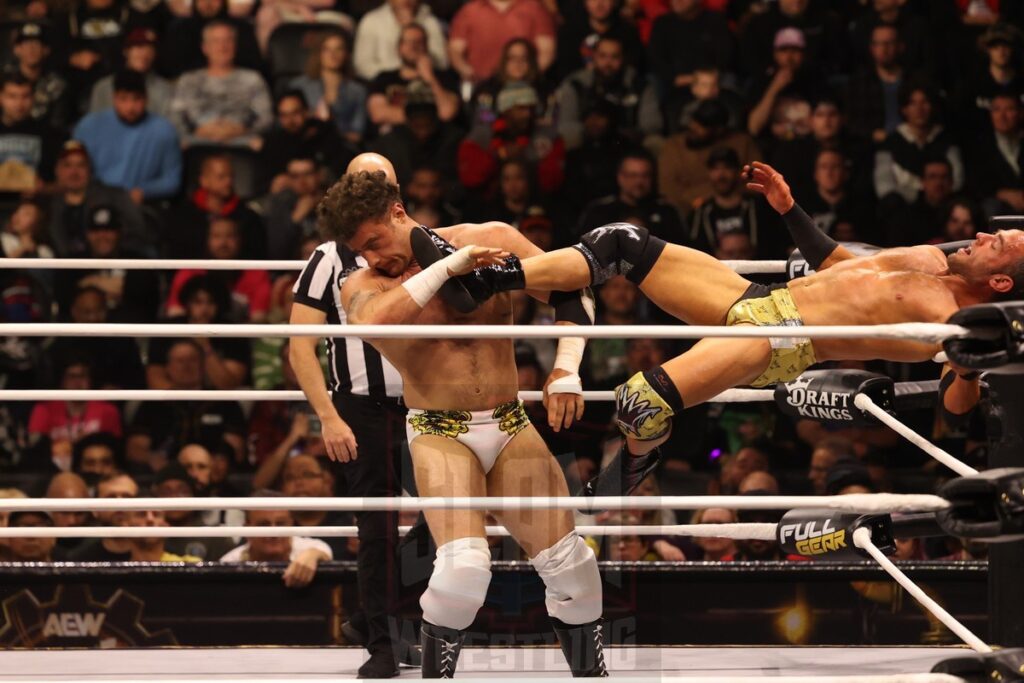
column 794, row 624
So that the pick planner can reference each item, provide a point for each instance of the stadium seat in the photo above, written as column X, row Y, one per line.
column 289, row 49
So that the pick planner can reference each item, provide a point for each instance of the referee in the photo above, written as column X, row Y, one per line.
column 367, row 391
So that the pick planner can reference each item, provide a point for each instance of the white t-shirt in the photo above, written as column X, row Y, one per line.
column 300, row 544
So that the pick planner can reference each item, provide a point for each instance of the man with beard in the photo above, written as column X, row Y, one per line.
column 173, row 481
column 609, row 78
column 131, row 148
column 116, row 485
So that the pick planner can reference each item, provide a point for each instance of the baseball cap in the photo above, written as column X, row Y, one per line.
column 173, row 472
column 31, row 31
column 140, row 36
column 517, row 94
column 103, row 217
column 19, row 517
column 789, row 37
column 71, row 148
column 419, row 98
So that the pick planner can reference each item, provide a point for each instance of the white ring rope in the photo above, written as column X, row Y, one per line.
column 862, row 539
column 743, row 267
column 755, row 531
column 864, row 402
column 729, row 396
column 856, row 502
column 479, row 677
column 922, row 332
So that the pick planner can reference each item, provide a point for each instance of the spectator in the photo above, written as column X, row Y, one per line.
column 49, row 89
column 738, row 466
column 28, row 146
column 139, row 56
column 304, row 476
column 900, row 161
column 424, row 140
column 24, row 234
column 182, row 47
column 272, row 14
column 683, row 40
column 299, row 135
column 226, row 361
column 88, row 37
column 77, row 198
column 872, row 96
column 846, row 477
column 963, row 219
column 221, row 103
column 996, row 174
column 780, row 97
column 729, row 210
column 331, row 90
column 515, row 195
column 130, row 147
column 823, row 29
column 1000, row 75
column 221, row 464
column 716, row 549
column 619, row 301
column 173, row 481
column 424, row 199
column 198, row 464
column 919, row 48
column 631, row 547
column 637, row 197
column 760, row 481
column 126, row 295
column 379, row 31
column 579, row 33
column 65, row 422
column 637, row 113
column 68, row 485
column 152, row 549
column 214, row 198
column 922, row 221
column 759, row 550
column 115, row 485
column 795, row 159
column 682, row 162
column 826, row 454
column 291, row 213
column 165, row 424
column 389, row 90
column 302, row 554
column 514, row 135
column 591, row 168
column 95, row 457
column 32, row 549
column 518, row 64
column 481, row 28
column 833, row 206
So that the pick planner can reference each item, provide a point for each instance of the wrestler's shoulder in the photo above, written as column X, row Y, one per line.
column 487, row 234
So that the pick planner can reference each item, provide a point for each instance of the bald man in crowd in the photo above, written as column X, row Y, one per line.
column 362, row 419
column 68, row 485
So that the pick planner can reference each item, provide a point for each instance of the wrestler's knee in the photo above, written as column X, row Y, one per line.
column 458, row 585
column 620, row 249
column 572, row 580
column 645, row 404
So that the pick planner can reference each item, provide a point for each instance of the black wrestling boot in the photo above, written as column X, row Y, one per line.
column 381, row 664
column 441, row 647
column 583, row 647
column 428, row 248
column 622, row 475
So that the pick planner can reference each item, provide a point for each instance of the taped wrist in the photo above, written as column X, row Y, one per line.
column 814, row 245
column 425, row 284
column 573, row 307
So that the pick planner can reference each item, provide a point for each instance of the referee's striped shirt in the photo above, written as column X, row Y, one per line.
column 355, row 366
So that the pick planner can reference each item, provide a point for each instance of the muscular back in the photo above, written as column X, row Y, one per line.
column 893, row 286
column 462, row 374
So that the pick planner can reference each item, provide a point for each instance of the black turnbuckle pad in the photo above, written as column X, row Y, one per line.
column 988, row 506
column 1002, row 666
column 828, row 535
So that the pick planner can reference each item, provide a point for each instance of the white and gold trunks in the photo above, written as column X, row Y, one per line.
column 485, row 432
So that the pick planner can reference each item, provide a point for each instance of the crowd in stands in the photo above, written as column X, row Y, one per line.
column 210, row 129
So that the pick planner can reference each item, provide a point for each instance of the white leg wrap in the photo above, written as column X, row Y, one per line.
column 458, row 586
column 569, row 571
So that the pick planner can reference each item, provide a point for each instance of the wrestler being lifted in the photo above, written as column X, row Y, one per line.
column 468, row 432
column 913, row 284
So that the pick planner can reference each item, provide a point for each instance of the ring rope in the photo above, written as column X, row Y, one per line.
column 921, row 332
column 742, row 267
column 755, row 531
column 728, row 396
column 862, row 539
column 863, row 503
column 865, row 403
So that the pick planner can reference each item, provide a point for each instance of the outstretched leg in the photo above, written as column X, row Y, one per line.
column 689, row 284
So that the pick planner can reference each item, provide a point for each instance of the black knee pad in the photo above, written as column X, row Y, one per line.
column 620, row 249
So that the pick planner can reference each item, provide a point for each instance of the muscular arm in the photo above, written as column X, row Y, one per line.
column 958, row 396
column 368, row 300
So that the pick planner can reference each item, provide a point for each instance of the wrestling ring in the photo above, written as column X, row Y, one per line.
column 989, row 505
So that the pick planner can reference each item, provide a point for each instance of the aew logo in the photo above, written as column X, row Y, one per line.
column 633, row 410
column 811, row 540
column 818, row 405
column 73, row 624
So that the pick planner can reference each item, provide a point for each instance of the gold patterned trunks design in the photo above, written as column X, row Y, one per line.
column 484, row 432
column 790, row 355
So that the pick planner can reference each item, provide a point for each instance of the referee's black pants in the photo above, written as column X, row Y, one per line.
column 379, row 428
